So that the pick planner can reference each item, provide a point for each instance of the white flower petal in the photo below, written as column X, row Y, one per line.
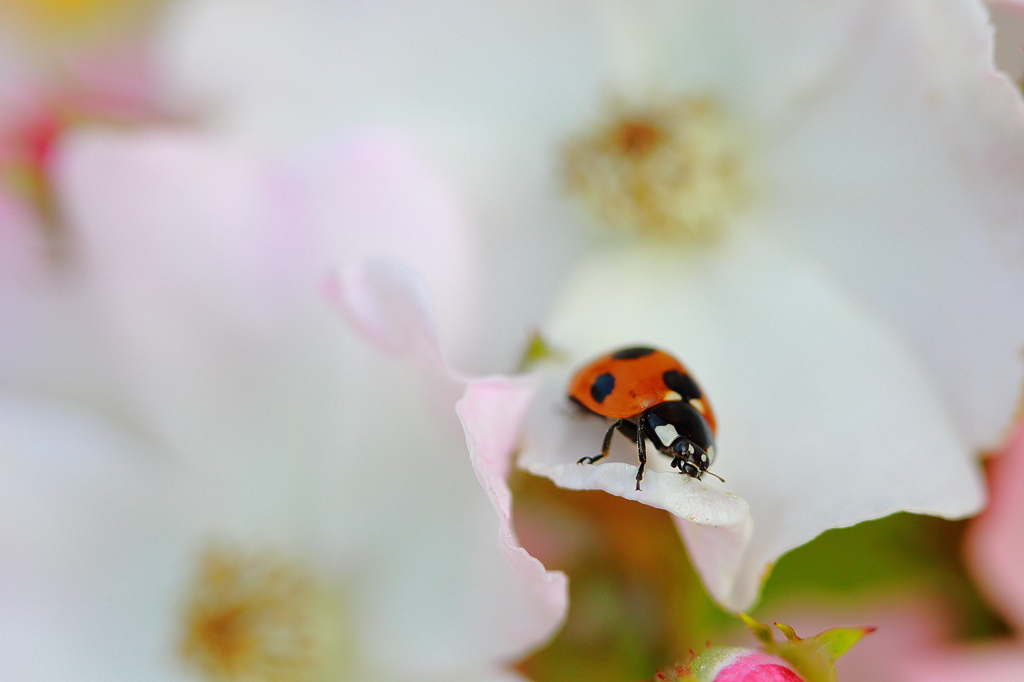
column 903, row 178
column 94, row 526
column 825, row 417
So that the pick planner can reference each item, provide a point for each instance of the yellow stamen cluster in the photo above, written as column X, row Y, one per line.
column 257, row 618
column 669, row 170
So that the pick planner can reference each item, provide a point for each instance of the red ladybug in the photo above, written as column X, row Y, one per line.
column 647, row 391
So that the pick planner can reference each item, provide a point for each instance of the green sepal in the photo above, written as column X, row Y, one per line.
column 789, row 632
column 699, row 668
column 537, row 350
column 814, row 659
column 760, row 630
column 837, row 641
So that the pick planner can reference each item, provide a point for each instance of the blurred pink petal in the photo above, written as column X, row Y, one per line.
column 1000, row 663
column 46, row 89
column 995, row 543
column 492, row 411
column 994, row 546
column 908, row 625
column 394, row 202
column 388, row 305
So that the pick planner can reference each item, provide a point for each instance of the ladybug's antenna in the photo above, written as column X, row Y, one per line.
column 715, row 475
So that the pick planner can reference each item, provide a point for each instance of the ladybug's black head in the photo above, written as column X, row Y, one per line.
column 690, row 458
column 678, row 430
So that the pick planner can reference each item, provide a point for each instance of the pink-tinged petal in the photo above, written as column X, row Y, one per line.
column 118, row 81
column 262, row 231
column 995, row 542
column 492, row 411
column 394, row 204
column 387, row 302
column 389, row 305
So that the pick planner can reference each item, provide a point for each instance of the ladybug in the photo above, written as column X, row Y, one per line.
column 647, row 391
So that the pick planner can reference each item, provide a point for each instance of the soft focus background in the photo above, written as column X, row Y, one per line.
column 175, row 185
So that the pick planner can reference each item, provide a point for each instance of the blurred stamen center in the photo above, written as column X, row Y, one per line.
column 257, row 617
column 638, row 138
column 670, row 170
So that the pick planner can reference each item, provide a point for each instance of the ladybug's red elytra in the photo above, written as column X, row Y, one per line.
column 647, row 391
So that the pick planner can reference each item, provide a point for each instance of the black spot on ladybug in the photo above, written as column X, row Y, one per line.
column 603, row 385
column 632, row 353
column 681, row 384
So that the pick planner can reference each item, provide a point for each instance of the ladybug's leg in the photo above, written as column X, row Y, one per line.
column 641, row 448
column 605, row 446
column 628, row 429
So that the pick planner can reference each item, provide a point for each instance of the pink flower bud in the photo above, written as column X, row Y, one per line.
column 733, row 664
column 794, row 660
column 757, row 666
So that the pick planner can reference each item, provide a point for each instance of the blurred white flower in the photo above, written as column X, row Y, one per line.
column 856, row 323
column 207, row 473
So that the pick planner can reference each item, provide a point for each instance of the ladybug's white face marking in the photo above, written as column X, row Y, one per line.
column 672, row 395
column 698, row 405
column 667, row 433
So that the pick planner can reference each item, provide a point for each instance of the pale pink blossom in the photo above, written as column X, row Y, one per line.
column 188, row 395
